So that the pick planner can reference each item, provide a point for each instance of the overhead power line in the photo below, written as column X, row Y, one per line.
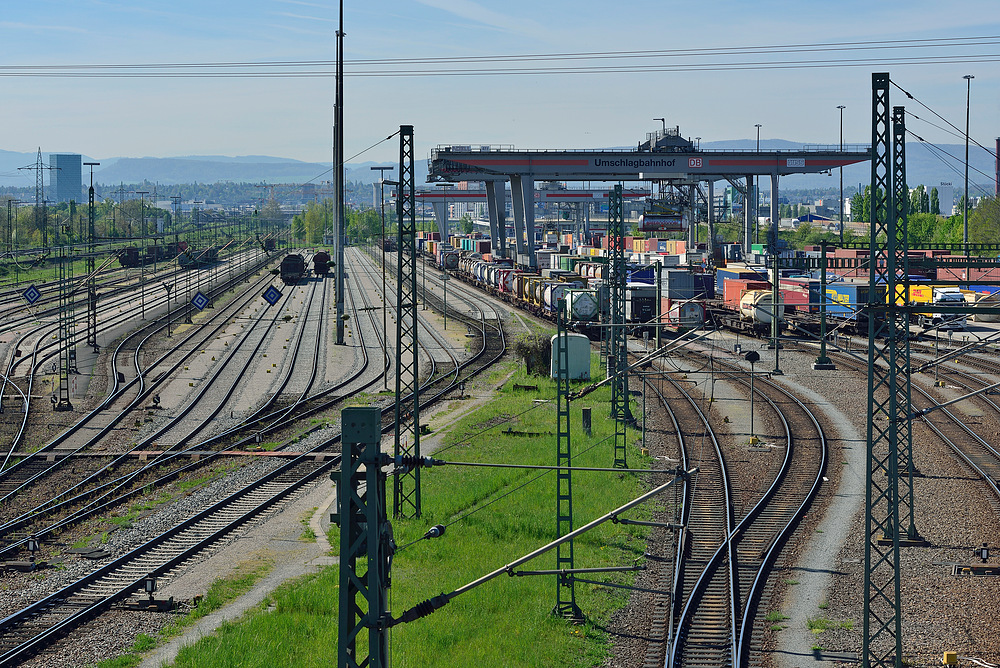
column 961, row 133
column 531, row 64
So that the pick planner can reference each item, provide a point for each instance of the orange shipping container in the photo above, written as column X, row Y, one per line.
column 733, row 289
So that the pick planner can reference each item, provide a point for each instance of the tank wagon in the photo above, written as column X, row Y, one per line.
column 292, row 269
column 321, row 263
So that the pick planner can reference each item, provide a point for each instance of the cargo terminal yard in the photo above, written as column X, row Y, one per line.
column 802, row 443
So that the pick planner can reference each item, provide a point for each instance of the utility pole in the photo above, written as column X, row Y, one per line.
column 366, row 544
column 41, row 219
column 67, row 350
column 965, row 209
column 887, row 502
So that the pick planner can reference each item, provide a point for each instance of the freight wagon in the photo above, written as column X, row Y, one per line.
column 292, row 268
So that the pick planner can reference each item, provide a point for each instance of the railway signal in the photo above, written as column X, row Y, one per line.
column 753, row 357
column 31, row 295
column 272, row 295
column 199, row 301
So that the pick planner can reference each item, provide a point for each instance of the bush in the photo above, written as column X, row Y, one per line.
column 536, row 351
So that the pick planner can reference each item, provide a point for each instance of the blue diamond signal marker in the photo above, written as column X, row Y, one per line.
column 272, row 295
column 199, row 301
column 31, row 295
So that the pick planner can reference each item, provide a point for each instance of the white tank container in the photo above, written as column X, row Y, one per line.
column 757, row 305
column 578, row 349
column 687, row 314
column 582, row 305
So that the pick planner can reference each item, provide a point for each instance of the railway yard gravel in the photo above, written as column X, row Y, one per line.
column 819, row 576
column 820, row 572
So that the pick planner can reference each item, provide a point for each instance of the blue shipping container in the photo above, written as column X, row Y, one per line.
column 843, row 298
column 723, row 273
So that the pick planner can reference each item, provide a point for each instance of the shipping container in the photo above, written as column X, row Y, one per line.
column 733, row 289
column 738, row 273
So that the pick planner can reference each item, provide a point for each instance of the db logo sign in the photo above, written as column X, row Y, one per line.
column 694, row 162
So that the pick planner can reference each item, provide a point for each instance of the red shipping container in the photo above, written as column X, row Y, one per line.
column 434, row 236
column 733, row 289
column 652, row 245
column 483, row 247
column 681, row 247
column 796, row 298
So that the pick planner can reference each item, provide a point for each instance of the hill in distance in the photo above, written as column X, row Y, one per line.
column 925, row 165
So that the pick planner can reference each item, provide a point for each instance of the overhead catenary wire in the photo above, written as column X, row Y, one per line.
column 939, row 152
column 528, row 64
column 510, row 71
column 960, row 132
column 503, row 496
column 872, row 45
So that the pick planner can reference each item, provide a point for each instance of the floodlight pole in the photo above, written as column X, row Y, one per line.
column 965, row 208
column 338, row 176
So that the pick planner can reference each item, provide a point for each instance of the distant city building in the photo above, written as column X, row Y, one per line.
column 946, row 198
column 66, row 182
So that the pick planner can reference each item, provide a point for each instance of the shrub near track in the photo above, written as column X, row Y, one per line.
column 494, row 516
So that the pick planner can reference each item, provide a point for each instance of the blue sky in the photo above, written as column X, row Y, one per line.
column 291, row 117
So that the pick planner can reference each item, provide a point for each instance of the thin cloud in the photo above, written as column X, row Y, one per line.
column 304, row 31
column 305, row 4
column 304, row 18
column 467, row 9
column 40, row 28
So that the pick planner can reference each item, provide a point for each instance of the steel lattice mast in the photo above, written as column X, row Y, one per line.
column 40, row 214
column 365, row 541
column 92, row 264
column 888, row 349
column 406, row 486
column 67, row 349
column 617, row 348
column 565, row 589
column 901, row 202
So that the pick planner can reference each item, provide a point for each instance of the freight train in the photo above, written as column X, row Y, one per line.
column 192, row 258
column 321, row 263
column 747, row 302
column 132, row 256
column 293, row 268
column 584, row 290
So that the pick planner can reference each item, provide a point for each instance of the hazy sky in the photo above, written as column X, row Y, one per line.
column 289, row 116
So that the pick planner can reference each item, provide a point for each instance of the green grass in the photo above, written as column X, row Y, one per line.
column 494, row 516
column 143, row 643
column 776, row 616
column 308, row 535
column 221, row 591
column 819, row 624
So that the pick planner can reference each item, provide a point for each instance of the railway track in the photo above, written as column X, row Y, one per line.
column 117, row 406
column 125, row 473
column 726, row 592
column 981, row 456
column 27, row 631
